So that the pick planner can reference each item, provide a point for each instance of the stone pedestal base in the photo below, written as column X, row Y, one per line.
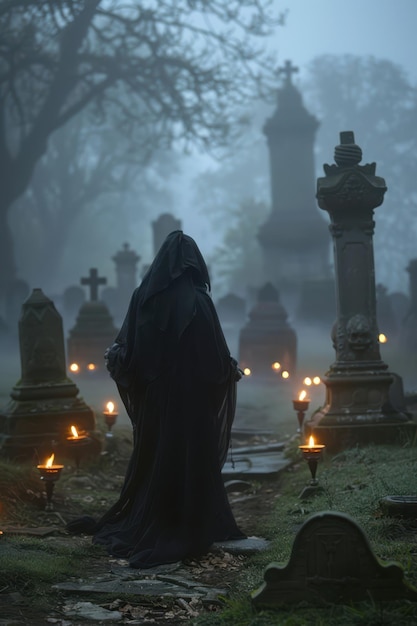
column 338, row 437
column 359, row 411
column 38, row 426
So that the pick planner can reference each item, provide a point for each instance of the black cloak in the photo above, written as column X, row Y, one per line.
column 177, row 381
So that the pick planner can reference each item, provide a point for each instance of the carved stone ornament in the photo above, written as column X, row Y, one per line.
column 332, row 561
column 359, row 333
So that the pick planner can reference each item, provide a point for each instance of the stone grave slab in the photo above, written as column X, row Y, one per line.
column 256, row 465
column 141, row 587
column 331, row 562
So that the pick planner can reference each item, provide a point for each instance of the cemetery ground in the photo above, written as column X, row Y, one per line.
column 50, row 577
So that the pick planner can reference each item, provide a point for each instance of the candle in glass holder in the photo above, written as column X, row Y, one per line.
column 76, row 441
column 312, row 452
column 301, row 404
column 110, row 417
column 50, row 473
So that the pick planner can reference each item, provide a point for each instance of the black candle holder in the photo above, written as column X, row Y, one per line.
column 49, row 475
column 301, row 406
column 76, row 446
column 110, row 417
column 312, row 453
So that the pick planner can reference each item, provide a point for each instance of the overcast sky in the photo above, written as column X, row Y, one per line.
column 382, row 28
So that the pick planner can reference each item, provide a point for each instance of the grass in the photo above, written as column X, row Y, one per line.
column 353, row 482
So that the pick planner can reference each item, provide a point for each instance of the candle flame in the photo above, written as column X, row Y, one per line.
column 285, row 374
column 91, row 367
column 247, row 371
column 74, row 431
column 307, row 381
column 302, row 395
column 311, row 442
column 74, row 367
column 316, row 380
column 382, row 338
column 276, row 366
column 50, row 461
column 110, row 407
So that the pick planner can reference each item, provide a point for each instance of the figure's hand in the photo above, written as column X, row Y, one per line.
column 106, row 355
column 239, row 374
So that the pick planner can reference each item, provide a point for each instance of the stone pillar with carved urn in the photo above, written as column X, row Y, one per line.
column 357, row 408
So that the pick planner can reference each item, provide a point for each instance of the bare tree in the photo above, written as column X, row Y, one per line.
column 374, row 98
column 181, row 67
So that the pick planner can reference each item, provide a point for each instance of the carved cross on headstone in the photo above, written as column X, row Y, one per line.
column 288, row 70
column 93, row 281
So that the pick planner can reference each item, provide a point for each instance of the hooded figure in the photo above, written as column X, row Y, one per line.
column 177, row 381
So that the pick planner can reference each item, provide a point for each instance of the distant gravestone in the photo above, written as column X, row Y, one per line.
column 93, row 331
column 72, row 300
column 110, row 297
column 331, row 562
column 408, row 332
column 118, row 298
column 387, row 322
column 45, row 401
column 16, row 293
column 399, row 304
column 231, row 310
column 268, row 338
column 162, row 226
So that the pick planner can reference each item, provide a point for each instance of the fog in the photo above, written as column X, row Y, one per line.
column 380, row 28
column 201, row 188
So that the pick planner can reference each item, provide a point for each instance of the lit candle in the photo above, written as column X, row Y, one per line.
column 311, row 453
column 77, row 442
column 49, row 473
column 48, row 467
column 300, row 405
column 110, row 416
column 312, row 447
column 76, row 436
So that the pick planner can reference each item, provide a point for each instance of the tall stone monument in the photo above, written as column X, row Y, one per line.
column 44, row 402
column 294, row 242
column 93, row 331
column 358, row 409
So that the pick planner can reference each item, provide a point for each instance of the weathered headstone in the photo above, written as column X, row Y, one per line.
column 118, row 298
column 161, row 227
column 93, row 331
column 17, row 291
column 332, row 562
column 231, row 310
column 267, row 338
column 408, row 332
column 72, row 300
column 44, row 402
column 387, row 322
column 358, row 409
column 293, row 239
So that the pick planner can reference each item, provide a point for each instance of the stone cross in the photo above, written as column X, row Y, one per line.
column 288, row 70
column 93, row 281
